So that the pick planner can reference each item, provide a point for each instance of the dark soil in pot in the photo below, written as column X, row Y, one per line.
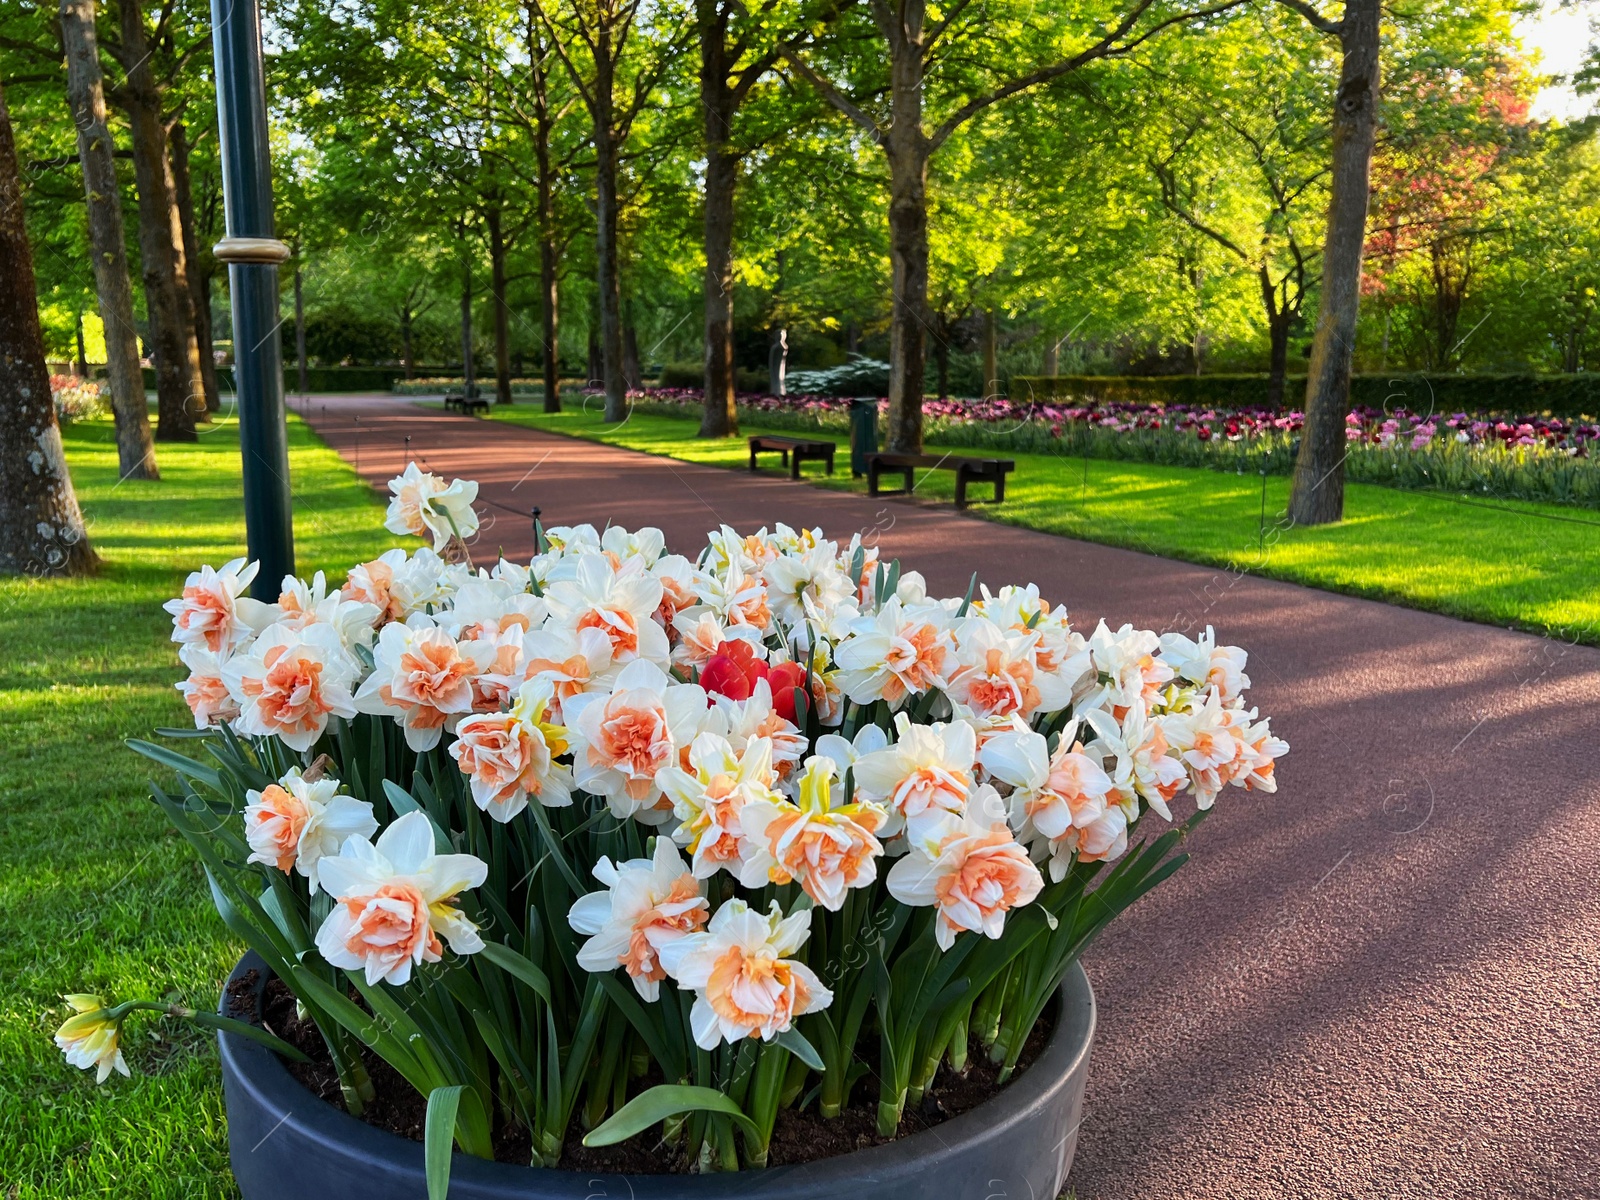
column 798, row 1137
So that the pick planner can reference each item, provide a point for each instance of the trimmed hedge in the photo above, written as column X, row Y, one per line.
column 1560, row 395
column 318, row 379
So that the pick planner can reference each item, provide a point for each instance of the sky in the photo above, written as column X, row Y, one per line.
column 1561, row 34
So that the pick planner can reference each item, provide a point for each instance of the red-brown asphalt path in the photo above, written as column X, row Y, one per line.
column 1383, row 981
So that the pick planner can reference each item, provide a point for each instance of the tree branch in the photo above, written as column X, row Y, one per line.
column 1318, row 22
column 833, row 95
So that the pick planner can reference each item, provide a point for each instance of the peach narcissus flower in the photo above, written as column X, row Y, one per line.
column 422, row 677
column 647, row 904
column 926, row 772
column 708, row 798
column 1050, row 794
column 394, row 900
column 371, row 583
column 213, row 611
column 425, row 506
column 89, row 1039
column 971, row 871
column 293, row 824
column 205, row 691
column 901, row 651
column 620, row 741
column 746, row 984
column 829, row 848
column 996, row 674
column 620, row 602
column 289, row 682
column 574, row 663
column 509, row 757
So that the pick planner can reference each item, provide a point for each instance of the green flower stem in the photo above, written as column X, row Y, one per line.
column 255, row 1033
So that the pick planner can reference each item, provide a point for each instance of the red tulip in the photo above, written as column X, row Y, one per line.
column 783, row 679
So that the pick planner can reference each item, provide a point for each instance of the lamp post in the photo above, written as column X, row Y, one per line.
column 253, row 253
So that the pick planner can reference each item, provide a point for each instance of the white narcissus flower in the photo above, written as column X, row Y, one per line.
column 1205, row 664
column 289, row 682
column 89, row 1039
column 973, row 872
column 1223, row 745
column 621, row 602
column 425, row 506
column 1130, row 657
column 647, row 904
column 829, row 848
column 808, row 585
column 213, row 611
column 620, row 741
column 758, row 718
column 293, row 824
column 422, row 677
column 509, row 757
column 898, row 652
column 301, row 604
column 394, row 900
column 647, row 544
column 926, row 773
column 708, row 798
column 745, row 983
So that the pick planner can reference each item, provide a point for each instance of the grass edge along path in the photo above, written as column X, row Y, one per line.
column 97, row 893
column 1501, row 562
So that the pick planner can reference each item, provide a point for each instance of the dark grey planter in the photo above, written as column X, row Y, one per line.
column 286, row 1144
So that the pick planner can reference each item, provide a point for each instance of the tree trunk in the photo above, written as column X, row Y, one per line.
column 136, row 453
column 199, row 293
column 1317, row 491
column 1052, row 356
column 908, row 238
column 41, row 529
column 632, row 370
column 991, row 369
column 722, row 172
column 608, row 275
column 941, row 357
column 549, row 265
column 179, row 390
column 502, row 312
column 549, row 316
column 469, row 378
column 593, row 366
column 1278, row 356
column 300, row 322
column 82, row 365
column 407, row 356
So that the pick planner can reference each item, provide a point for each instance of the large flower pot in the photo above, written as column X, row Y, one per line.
column 286, row 1144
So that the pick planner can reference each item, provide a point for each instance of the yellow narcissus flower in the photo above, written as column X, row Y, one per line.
column 89, row 1038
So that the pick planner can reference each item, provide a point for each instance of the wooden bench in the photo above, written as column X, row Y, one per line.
column 794, row 450
column 467, row 404
column 968, row 470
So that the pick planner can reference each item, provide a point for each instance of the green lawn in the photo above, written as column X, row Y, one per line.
column 1511, row 562
column 96, row 893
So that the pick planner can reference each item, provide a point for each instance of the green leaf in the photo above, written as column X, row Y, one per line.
column 438, row 1137
column 182, row 764
column 796, row 1043
column 659, row 1103
column 512, row 963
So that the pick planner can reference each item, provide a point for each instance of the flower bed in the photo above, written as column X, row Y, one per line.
column 76, row 398
column 619, row 841
column 1528, row 458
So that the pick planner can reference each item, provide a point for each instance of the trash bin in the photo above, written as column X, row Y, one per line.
column 863, row 432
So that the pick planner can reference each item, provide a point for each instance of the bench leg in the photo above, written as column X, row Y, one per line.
column 872, row 479
column 911, row 480
column 961, row 489
column 830, row 460
column 794, row 467
column 1000, row 488
column 752, row 459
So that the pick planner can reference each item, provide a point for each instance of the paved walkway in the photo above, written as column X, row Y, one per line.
column 1382, row 982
